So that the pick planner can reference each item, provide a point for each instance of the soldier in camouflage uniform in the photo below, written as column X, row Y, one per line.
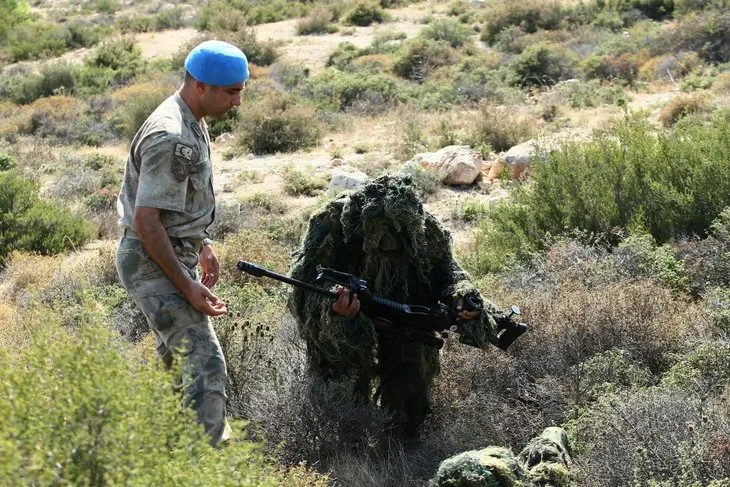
column 381, row 233
column 544, row 462
column 166, row 204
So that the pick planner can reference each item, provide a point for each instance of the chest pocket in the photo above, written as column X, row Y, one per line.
column 199, row 189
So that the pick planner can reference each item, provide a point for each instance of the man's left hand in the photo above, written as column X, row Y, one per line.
column 210, row 266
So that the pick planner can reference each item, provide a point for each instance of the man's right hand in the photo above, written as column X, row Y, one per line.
column 204, row 301
column 345, row 305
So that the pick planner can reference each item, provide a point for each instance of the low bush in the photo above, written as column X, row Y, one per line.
column 527, row 16
column 171, row 18
column 57, row 78
column 300, row 183
column 670, row 66
column 622, row 67
column 342, row 57
column 38, row 39
column 32, row 224
column 121, row 60
column 364, row 13
column 426, row 181
column 707, row 260
column 134, row 103
column 542, row 64
column 501, row 128
column 586, row 94
column 683, row 106
column 361, row 91
column 277, row 124
column 449, row 30
column 420, row 56
column 7, row 161
column 262, row 53
column 212, row 15
column 319, row 21
column 55, row 117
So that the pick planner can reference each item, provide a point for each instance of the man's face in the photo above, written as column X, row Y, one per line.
column 217, row 100
column 382, row 234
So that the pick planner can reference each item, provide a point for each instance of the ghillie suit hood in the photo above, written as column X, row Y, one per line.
column 380, row 233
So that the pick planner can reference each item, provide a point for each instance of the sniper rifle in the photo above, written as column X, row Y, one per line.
column 413, row 322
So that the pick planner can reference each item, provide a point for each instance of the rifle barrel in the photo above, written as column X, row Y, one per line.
column 259, row 271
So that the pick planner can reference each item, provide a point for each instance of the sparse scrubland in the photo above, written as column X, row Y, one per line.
column 616, row 245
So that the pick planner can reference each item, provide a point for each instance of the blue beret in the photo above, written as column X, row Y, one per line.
column 217, row 63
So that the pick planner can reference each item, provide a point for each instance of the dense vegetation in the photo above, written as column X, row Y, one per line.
column 617, row 247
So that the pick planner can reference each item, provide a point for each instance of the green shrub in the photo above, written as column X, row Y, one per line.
column 527, row 16
column 695, row 82
column 685, row 6
column 418, row 57
column 586, row 94
column 639, row 255
column 472, row 211
column 625, row 178
column 39, row 39
column 704, row 32
column 82, row 408
column 614, row 445
column 7, row 161
column 707, row 260
column 364, row 13
column 289, row 75
column 542, row 64
column 343, row 56
column 213, row 13
column 121, row 58
column 134, row 104
column 171, row 18
column 621, row 67
column 300, row 183
column 449, row 30
column 12, row 13
column 277, row 124
column 35, row 225
column 339, row 90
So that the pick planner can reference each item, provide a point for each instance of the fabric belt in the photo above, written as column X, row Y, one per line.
column 192, row 243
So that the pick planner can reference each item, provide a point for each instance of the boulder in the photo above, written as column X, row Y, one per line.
column 455, row 164
column 345, row 177
column 521, row 156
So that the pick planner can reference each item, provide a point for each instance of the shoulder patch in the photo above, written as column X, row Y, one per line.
column 184, row 159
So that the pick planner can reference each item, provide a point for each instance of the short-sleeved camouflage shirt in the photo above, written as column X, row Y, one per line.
column 169, row 168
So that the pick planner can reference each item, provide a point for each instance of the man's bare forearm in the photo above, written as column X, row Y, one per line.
column 156, row 242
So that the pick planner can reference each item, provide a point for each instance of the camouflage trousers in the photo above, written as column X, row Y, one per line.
column 179, row 329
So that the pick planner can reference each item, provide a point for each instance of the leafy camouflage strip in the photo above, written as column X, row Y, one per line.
column 545, row 461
